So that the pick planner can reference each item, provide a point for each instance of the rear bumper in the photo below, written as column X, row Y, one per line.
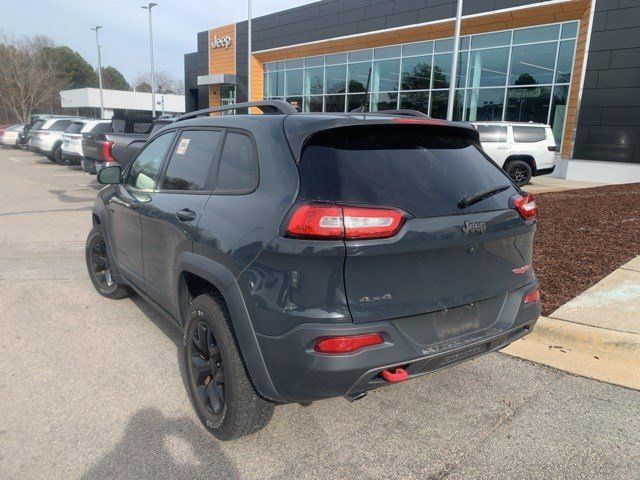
column 301, row 374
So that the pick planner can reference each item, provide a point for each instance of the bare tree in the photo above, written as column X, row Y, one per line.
column 30, row 80
column 165, row 83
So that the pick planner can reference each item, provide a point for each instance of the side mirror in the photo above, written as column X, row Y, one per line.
column 109, row 175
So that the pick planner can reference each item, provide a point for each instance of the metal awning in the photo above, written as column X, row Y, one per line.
column 217, row 79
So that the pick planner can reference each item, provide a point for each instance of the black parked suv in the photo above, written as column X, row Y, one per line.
column 307, row 256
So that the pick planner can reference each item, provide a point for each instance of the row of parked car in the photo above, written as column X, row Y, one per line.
column 522, row 150
column 92, row 143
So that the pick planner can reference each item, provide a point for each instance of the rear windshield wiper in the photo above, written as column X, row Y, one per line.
column 481, row 195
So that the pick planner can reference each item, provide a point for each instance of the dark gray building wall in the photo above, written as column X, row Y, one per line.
column 609, row 117
column 195, row 64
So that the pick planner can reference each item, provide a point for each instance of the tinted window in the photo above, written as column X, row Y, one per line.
column 141, row 127
column 145, row 169
column 60, row 125
column 492, row 134
column 191, row 160
column 529, row 134
column 74, row 127
column 425, row 174
column 37, row 125
column 237, row 169
column 101, row 128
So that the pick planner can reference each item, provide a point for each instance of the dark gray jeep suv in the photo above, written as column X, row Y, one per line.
column 307, row 256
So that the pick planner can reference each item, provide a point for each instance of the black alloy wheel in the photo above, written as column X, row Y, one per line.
column 206, row 370
column 99, row 262
column 520, row 172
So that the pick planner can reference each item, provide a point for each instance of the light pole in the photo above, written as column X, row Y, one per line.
column 149, row 6
column 248, row 50
column 454, row 62
column 95, row 29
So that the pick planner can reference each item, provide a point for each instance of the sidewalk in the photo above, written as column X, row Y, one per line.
column 545, row 183
column 595, row 335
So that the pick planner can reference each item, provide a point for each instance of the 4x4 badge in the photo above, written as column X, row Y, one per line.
column 471, row 227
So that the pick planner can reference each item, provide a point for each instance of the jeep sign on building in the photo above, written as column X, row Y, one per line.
column 572, row 64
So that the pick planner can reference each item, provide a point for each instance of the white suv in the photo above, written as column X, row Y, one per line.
column 523, row 150
column 72, row 138
column 47, row 139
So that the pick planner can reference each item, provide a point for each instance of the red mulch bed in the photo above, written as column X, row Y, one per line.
column 583, row 236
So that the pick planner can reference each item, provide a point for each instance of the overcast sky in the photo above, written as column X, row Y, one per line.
column 124, row 36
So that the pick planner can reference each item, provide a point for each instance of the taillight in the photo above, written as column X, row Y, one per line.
column 106, row 151
column 347, row 223
column 347, row 343
column 532, row 296
column 552, row 148
column 526, row 205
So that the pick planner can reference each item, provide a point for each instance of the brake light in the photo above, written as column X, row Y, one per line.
column 532, row 296
column 418, row 120
column 552, row 148
column 346, row 223
column 526, row 205
column 106, row 151
column 347, row 343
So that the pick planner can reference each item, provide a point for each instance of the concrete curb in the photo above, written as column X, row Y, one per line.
column 598, row 353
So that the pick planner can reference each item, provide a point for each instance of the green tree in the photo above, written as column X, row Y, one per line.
column 143, row 87
column 112, row 79
column 76, row 70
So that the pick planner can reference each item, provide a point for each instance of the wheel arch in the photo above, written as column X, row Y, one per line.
column 198, row 275
column 523, row 157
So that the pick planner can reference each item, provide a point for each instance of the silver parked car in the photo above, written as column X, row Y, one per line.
column 46, row 139
column 72, row 138
column 10, row 135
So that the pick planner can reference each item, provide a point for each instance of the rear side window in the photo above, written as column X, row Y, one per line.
column 141, row 127
column 74, row 127
column 529, row 134
column 60, row 125
column 414, row 168
column 238, row 170
column 191, row 160
column 492, row 133
column 37, row 125
column 101, row 128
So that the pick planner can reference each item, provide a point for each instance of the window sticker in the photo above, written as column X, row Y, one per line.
column 182, row 146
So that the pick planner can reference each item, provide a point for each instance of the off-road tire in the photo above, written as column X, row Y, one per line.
column 519, row 171
column 114, row 291
column 244, row 411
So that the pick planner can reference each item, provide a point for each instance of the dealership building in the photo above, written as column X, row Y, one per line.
column 572, row 64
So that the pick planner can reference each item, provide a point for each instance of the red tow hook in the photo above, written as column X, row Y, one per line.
column 397, row 375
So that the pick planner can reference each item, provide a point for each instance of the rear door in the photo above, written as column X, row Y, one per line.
column 493, row 139
column 438, row 259
column 171, row 215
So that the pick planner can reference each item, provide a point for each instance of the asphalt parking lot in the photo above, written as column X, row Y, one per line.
column 92, row 388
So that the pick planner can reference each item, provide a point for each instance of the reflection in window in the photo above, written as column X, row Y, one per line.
column 335, row 79
column 313, row 80
column 533, row 64
column 334, row 103
column 439, row 100
column 384, row 101
column 565, row 61
column 416, row 73
column 385, row 75
column 528, row 104
column 558, row 110
column 415, row 101
column 358, row 76
column 536, row 34
column 313, row 104
column 484, row 104
column 441, row 70
column 294, row 82
column 488, row 68
column 355, row 100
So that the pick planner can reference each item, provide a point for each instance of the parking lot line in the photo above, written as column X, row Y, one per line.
column 15, row 160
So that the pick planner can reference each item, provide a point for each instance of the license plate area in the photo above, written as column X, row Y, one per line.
column 457, row 321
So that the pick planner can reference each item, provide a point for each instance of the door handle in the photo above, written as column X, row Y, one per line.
column 186, row 215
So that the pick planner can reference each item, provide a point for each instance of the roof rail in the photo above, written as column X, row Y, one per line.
column 268, row 107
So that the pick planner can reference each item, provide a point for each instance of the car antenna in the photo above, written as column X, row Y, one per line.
column 363, row 107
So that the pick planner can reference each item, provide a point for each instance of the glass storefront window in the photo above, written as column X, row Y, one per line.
column 536, row 34
column 416, row 73
column 484, row 104
column 313, row 80
column 533, row 64
column 521, row 74
column 335, row 79
column 385, row 75
column 294, row 82
column 530, row 104
column 334, row 103
column 415, row 101
column 295, row 101
column 558, row 110
column 565, row 61
column 488, row 68
column 358, row 76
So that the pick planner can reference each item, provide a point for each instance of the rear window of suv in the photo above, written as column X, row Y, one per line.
column 529, row 134
column 492, row 133
column 424, row 171
column 74, row 127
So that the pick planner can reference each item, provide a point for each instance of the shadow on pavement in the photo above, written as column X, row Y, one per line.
column 157, row 446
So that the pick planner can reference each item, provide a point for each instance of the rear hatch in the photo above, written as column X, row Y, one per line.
column 92, row 146
column 443, row 256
